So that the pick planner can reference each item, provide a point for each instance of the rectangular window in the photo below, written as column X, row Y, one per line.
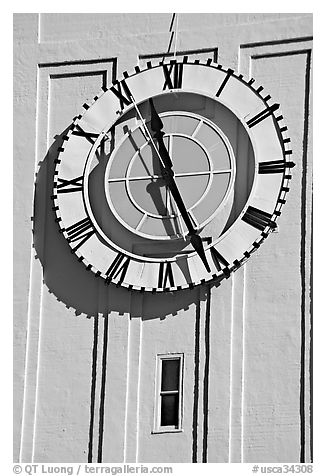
column 168, row 414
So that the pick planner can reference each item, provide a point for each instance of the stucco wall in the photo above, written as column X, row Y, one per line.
column 85, row 354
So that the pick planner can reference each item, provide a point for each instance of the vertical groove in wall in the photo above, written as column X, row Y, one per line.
column 30, row 294
column 26, row 359
column 39, row 28
column 125, row 436
column 46, row 215
column 103, row 389
column 311, row 346
column 236, row 367
column 303, row 258
column 196, row 384
column 138, row 390
column 243, row 362
column 231, row 370
column 37, row 373
column 206, row 373
column 93, row 392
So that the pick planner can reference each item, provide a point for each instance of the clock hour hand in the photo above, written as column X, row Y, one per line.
column 168, row 175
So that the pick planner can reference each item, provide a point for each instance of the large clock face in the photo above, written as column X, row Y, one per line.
column 172, row 177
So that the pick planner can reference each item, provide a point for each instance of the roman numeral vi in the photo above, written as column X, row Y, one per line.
column 165, row 275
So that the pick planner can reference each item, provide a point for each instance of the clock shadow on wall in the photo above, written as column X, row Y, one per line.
column 68, row 279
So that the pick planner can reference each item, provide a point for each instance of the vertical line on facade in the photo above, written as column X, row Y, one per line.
column 243, row 361
column 39, row 28
column 231, row 369
column 196, row 384
column 303, row 258
column 239, row 59
column 102, row 396
column 29, row 316
column 138, row 389
column 27, row 350
column 93, row 391
column 44, row 238
column 26, row 356
column 206, row 374
column 127, row 396
column 310, row 349
column 49, row 111
column 37, row 372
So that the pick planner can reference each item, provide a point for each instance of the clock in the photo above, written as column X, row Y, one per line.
column 172, row 177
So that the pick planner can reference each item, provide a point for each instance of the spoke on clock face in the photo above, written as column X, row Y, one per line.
column 197, row 128
column 180, row 174
column 141, row 222
column 143, row 177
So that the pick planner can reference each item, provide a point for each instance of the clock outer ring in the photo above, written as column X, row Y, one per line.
column 284, row 141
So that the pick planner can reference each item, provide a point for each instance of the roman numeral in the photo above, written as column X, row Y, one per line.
column 274, row 166
column 123, row 93
column 219, row 260
column 118, row 267
column 80, row 231
column 173, row 75
column 226, row 79
column 90, row 136
column 68, row 186
column 258, row 218
column 262, row 115
column 165, row 275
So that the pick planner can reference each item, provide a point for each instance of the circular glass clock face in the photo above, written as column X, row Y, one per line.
column 204, row 171
column 127, row 197
column 172, row 177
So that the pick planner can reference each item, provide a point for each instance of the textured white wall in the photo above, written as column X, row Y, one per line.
column 85, row 354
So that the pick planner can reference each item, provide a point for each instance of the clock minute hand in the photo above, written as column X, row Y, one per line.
column 195, row 240
column 157, row 126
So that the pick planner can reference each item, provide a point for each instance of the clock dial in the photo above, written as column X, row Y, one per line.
column 172, row 177
column 203, row 164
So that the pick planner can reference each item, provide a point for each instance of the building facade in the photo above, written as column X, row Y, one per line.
column 217, row 373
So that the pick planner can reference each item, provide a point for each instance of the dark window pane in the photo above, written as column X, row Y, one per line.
column 170, row 374
column 169, row 410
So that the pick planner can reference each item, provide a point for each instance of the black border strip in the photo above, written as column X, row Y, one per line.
column 93, row 390
column 103, row 385
column 206, row 374
column 276, row 42
column 212, row 51
column 196, row 383
column 303, row 261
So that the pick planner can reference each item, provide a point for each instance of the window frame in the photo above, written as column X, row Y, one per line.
column 158, row 428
